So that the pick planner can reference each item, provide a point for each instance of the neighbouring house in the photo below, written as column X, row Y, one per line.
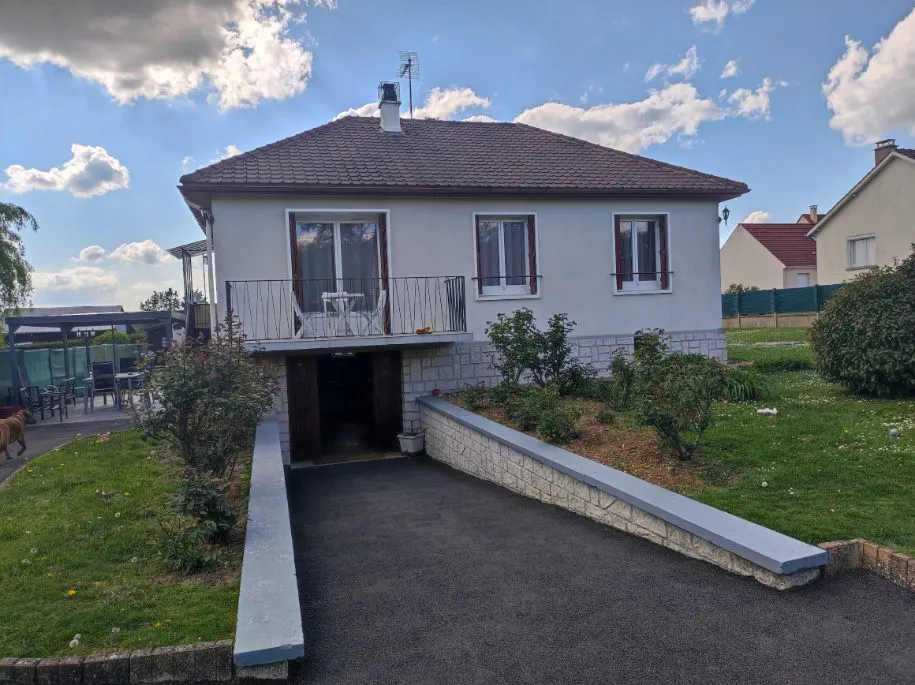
column 771, row 255
column 874, row 223
column 365, row 257
column 26, row 335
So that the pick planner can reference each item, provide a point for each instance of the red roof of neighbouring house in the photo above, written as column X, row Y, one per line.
column 788, row 242
column 353, row 155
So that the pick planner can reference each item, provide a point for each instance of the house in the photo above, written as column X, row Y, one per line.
column 26, row 335
column 365, row 257
column 874, row 223
column 771, row 255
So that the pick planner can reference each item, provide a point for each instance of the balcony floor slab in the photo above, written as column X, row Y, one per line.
column 354, row 343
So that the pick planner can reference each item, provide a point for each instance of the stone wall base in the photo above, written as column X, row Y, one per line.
column 470, row 451
column 846, row 555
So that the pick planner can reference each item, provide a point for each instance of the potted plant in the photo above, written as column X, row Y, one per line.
column 412, row 440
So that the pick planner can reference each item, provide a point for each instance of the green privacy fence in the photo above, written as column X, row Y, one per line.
column 43, row 365
column 785, row 301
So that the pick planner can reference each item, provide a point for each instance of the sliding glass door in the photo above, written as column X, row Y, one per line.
column 337, row 257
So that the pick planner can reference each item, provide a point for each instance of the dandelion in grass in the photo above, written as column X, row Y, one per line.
column 33, row 551
column 117, row 514
column 133, row 560
column 765, row 484
column 115, row 630
column 26, row 562
column 71, row 592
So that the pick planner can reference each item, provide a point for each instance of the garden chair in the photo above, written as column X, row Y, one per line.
column 374, row 318
column 67, row 388
column 103, row 380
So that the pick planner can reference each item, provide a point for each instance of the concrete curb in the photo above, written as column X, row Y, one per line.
column 847, row 555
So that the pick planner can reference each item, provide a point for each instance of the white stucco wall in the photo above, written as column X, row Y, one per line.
column 885, row 208
column 791, row 273
column 744, row 260
column 434, row 237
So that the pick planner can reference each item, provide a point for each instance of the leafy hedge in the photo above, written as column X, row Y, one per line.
column 865, row 337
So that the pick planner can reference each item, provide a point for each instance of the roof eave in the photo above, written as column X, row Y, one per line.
column 199, row 194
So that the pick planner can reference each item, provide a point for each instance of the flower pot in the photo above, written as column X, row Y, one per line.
column 411, row 444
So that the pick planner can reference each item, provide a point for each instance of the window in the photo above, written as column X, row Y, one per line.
column 335, row 256
column 862, row 252
column 506, row 256
column 641, row 253
column 802, row 280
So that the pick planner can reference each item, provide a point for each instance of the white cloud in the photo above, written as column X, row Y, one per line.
column 484, row 118
column 88, row 278
column 717, row 11
column 732, row 68
column 239, row 51
column 754, row 104
column 441, row 103
column 142, row 252
column 757, row 216
column 90, row 171
column 686, row 67
column 93, row 253
column 676, row 110
column 870, row 94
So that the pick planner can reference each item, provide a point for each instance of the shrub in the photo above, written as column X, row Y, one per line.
column 204, row 498
column 616, row 391
column 183, row 549
column 865, row 336
column 557, row 422
column 605, row 417
column 503, row 394
column 206, row 400
column 675, row 397
column 529, row 406
column 545, row 356
column 741, row 385
column 474, row 396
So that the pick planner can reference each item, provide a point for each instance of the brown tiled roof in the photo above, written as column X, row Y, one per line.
column 908, row 152
column 788, row 242
column 353, row 155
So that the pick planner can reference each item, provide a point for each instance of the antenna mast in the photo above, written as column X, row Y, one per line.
column 409, row 68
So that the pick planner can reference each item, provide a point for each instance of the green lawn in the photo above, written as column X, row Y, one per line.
column 830, row 469
column 77, row 556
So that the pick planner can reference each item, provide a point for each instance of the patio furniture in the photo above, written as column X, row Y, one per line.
column 127, row 382
column 127, row 365
column 297, row 313
column 103, row 380
column 40, row 400
column 337, row 307
column 67, row 388
column 374, row 318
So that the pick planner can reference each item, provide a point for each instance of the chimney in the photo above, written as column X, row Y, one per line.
column 814, row 217
column 389, row 104
column 883, row 149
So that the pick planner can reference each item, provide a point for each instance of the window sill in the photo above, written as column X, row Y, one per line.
column 860, row 268
column 508, row 296
column 668, row 291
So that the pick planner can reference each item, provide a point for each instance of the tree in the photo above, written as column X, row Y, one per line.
column 169, row 301
column 740, row 288
column 15, row 271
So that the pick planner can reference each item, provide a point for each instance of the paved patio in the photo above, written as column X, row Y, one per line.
column 411, row 572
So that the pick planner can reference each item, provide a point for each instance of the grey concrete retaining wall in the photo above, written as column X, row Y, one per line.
column 269, row 628
column 525, row 465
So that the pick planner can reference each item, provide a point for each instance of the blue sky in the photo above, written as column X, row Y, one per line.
column 149, row 92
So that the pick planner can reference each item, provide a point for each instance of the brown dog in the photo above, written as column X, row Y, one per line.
column 12, row 429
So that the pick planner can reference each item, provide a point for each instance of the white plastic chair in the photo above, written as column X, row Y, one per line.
column 374, row 318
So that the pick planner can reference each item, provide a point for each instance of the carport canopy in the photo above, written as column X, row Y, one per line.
column 67, row 323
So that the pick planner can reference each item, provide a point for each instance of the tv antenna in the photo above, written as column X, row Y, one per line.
column 409, row 69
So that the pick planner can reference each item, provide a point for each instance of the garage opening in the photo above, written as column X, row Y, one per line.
column 344, row 407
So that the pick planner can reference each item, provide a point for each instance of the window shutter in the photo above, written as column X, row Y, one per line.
column 476, row 238
column 297, row 285
column 618, row 245
column 532, row 254
column 662, row 252
column 384, row 270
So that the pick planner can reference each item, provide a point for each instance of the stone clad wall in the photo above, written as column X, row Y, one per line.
column 469, row 450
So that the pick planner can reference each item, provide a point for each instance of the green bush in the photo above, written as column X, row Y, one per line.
column 605, row 417
column 183, row 549
column 204, row 498
column 742, row 385
column 503, row 394
column 530, row 404
column 865, row 337
column 557, row 423
column 675, row 397
column 616, row 391
column 544, row 356
column 474, row 396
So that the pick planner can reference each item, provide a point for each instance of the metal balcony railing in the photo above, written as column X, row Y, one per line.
column 349, row 307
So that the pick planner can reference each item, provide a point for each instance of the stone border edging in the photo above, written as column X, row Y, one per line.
column 206, row 662
column 846, row 555
column 269, row 625
column 647, row 510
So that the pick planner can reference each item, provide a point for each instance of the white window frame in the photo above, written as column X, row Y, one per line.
column 504, row 291
column 636, row 286
column 850, row 251
column 797, row 276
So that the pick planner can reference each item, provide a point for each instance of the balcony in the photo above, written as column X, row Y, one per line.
column 339, row 314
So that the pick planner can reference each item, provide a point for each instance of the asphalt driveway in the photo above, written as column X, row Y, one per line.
column 411, row 572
